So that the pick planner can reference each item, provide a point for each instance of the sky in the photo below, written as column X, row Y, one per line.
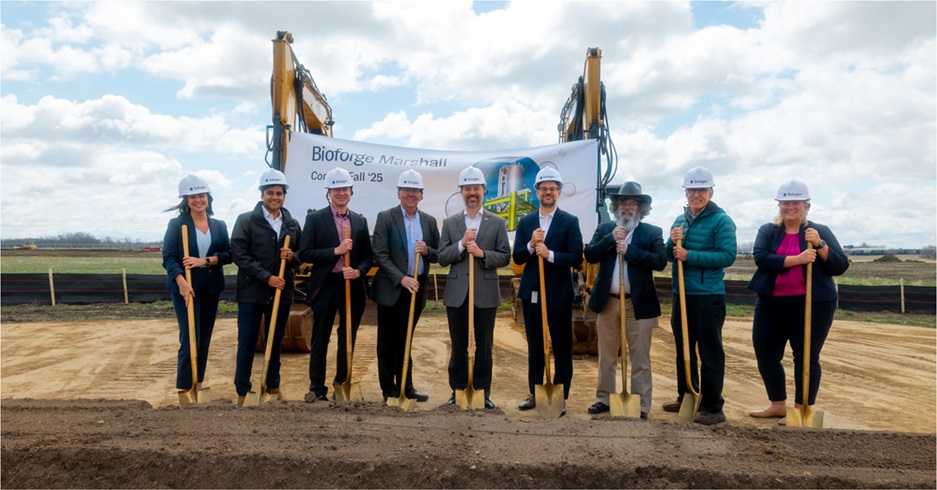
column 106, row 106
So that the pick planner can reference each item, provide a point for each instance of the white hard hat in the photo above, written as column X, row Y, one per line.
column 193, row 184
column 411, row 179
column 549, row 174
column 793, row 190
column 272, row 177
column 337, row 178
column 471, row 176
column 698, row 178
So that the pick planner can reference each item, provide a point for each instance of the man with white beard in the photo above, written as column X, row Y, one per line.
column 642, row 246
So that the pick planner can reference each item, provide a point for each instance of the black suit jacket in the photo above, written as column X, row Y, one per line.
column 210, row 278
column 390, row 253
column 318, row 243
column 564, row 239
column 645, row 254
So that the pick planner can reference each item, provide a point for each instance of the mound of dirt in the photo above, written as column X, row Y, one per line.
column 888, row 258
column 128, row 444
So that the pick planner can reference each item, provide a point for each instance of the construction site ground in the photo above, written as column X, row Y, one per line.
column 93, row 404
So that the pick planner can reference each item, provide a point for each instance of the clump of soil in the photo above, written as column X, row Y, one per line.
column 888, row 258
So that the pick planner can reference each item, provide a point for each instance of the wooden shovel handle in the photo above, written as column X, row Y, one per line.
column 406, row 352
column 348, row 347
column 683, row 326
column 621, row 315
column 808, row 313
column 190, row 310
column 271, row 332
column 546, row 325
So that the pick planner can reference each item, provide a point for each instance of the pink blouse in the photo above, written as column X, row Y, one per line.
column 790, row 282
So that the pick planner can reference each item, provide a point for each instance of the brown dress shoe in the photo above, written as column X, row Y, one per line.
column 673, row 406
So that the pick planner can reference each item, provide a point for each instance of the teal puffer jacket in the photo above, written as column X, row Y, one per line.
column 711, row 247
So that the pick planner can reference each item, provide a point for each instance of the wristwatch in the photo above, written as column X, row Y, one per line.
column 821, row 245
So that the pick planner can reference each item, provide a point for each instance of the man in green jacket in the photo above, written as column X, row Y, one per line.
column 708, row 247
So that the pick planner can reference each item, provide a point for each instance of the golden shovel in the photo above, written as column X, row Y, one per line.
column 193, row 395
column 691, row 399
column 407, row 404
column 469, row 398
column 252, row 399
column 348, row 391
column 550, row 398
column 623, row 404
column 804, row 416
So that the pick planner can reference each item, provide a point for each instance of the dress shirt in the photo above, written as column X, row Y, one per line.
column 414, row 233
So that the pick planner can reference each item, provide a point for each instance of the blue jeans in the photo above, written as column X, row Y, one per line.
column 249, row 318
column 206, row 307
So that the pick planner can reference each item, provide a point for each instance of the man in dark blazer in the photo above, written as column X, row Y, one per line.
column 323, row 244
column 484, row 235
column 642, row 246
column 399, row 233
column 554, row 235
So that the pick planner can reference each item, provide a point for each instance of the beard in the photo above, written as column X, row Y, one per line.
column 628, row 219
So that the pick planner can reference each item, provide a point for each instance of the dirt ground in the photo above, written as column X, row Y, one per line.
column 93, row 405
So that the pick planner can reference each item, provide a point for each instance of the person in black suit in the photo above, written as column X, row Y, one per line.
column 399, row 233
column 257, row 245
column 323, row 244
column 210, row 250
column 553, row 234
column 642, row 246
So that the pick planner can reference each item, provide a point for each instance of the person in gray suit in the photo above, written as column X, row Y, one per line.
column 484, row 235
column 642, row 246
column 399, row 233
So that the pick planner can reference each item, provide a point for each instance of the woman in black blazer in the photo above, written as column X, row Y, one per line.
column 781, row 255
column 209, row 249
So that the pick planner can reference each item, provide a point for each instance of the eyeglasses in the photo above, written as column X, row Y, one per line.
column 548, row 189
column 703, row 190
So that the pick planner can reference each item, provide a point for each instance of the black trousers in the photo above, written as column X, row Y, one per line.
column 392, row 340
column 779, row 320
column 329, row 301
column 706, row 314
column 484, row 337
column 560, row 322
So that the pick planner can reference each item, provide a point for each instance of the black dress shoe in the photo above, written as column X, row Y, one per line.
column 451, row 399
column 416, row 395
column 528, row 404
column 489, row 404
column 643, row 415
column 597, row 408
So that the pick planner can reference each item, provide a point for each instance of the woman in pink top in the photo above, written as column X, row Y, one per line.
column 781, row 255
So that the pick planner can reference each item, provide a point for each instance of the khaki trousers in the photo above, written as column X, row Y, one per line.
column 639, row 334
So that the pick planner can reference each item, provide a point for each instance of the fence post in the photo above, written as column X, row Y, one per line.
column 51, row 287
column 126, row 297
column 901, row 284
column 435, row 287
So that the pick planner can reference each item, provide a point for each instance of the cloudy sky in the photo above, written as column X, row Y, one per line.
column 105, row 106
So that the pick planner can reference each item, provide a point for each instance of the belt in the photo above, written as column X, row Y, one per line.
column 616, row 296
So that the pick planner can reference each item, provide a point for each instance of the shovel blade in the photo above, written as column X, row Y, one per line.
column 348, row 392
column 689, row 407
column 624, row 405
column 267, row 397
column 470, row 399
column 550, row 400
column 804, row 417
column 204, row 396
column 403, row 403
column 187, row 398
column 251, row 399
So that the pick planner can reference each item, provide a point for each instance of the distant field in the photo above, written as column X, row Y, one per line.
column 862, row 270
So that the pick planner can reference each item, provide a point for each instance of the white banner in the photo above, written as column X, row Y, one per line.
column 375, row 168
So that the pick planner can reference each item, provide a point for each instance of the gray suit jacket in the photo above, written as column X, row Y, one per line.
column 390, row 253
column 492, row 237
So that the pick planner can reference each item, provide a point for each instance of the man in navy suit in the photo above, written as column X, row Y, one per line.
column 323, row 243
column 554, row 235
column 642, row 246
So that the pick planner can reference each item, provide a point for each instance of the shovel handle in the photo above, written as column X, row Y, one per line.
column 545, row 323
column 621, row 315
column 190, row 310
column 348, row 347
column 471, row 321
column 684, row 330
column 808, row 313
column 406, row 353
column 271, row 332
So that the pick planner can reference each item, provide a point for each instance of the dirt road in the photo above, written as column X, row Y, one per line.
column 877, row 378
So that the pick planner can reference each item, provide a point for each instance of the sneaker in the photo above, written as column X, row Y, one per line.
column 673, row 406
column 597, row 408
column 528, row 404
column 707, row 418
